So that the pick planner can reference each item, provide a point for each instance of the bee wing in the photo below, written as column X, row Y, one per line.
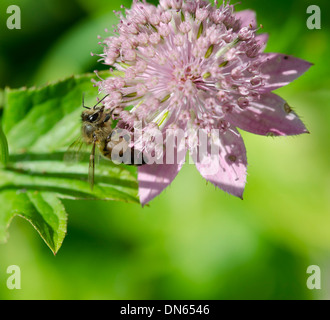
column 76, row 151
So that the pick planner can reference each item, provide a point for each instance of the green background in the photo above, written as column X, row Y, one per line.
column 193, row 241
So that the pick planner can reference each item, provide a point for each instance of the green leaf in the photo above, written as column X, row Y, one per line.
column 40, row 124
column 42, row 209
column 4, row 154
column 2, row 98
column 3, row 140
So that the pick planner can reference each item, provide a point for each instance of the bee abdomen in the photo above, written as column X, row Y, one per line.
column 119, row 152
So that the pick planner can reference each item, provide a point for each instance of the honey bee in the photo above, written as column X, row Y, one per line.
column 97, row 130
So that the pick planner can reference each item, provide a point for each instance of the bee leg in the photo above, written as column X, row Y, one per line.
column 91, row 170
column 107, row 118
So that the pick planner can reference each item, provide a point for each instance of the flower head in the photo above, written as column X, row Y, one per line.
column 191, row 65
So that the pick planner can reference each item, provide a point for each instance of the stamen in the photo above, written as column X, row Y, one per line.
column 200, row 30
column 225, row 49
column 209, row 51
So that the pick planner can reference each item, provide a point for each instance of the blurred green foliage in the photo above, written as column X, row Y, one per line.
column 193, row 241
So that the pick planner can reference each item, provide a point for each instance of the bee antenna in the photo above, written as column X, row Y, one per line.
column 83, row 101
column 100, row 100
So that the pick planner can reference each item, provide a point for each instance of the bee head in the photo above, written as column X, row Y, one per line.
column 91, row 115
column 90, row 121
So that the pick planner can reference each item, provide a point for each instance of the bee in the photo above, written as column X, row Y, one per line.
column 97, row 130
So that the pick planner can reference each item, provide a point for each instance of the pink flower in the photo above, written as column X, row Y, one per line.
column 193, row 66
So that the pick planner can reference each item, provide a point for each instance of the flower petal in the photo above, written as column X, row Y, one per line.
column 247, row 17
column 279, row 70
column 271, row 115
column 262, row 39
column 154, row 178
column 225, row 166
